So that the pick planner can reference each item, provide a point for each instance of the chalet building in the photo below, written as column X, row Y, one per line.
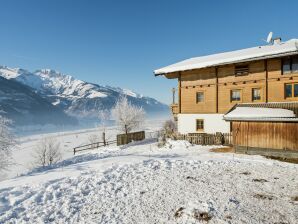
column 210, row 86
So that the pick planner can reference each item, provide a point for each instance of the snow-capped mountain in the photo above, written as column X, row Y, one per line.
column 24, row 107
column 77, row 97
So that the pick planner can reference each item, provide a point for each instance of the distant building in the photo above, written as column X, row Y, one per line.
column 210, row 86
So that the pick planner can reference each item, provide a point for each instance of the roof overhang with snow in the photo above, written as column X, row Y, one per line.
column 250, row 54
column 260, row 114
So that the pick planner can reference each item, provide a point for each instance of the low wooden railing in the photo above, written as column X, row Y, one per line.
column 174, row 109
column 94, row 145
column 207, row 139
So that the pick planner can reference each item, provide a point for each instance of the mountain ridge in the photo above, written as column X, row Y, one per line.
column 23, row 106
column 77, row 97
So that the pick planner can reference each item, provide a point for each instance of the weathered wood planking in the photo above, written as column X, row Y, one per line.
column 263, row 134
column 205, row 80
column 124, row 139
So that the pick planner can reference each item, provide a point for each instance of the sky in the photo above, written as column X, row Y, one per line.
column 120, row 43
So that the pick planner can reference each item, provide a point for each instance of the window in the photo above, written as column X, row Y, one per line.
column 235, row 95
column 241, row 70
column 286, row 66
column 295, row 64
column 200, row 125
column 290, row 65
column 288, row 90
column 256, row 94
column 200, row 97
column 291, row 90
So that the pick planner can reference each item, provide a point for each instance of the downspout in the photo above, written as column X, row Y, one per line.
column 266, row 80
column 179, row 85
column 247, row 137
column 216, row 89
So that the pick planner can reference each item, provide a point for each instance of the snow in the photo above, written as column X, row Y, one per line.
column 127, row 92
column 23, row 153
column 141, row 183
column 95, row 94
column 59, row 84
column 56, row 102
column 254, row 53
column 76, row 97
column 254, row 112
column 8, row 72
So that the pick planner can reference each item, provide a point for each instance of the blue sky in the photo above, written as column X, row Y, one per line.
column 120, row 43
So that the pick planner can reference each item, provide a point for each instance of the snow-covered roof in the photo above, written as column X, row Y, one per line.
column 277, row 119
column 258, row 114
column 255, row 53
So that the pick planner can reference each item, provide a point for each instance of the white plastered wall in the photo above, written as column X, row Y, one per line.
column 212, row 123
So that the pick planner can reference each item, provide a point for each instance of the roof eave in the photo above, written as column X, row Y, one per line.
column 228, row 63
column 158, row 74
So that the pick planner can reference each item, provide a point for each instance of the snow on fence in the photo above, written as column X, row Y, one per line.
column 207, row 139
column 124, row 139
column 94, row 145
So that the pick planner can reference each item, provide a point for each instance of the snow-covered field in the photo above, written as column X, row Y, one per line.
column 23, row 153
column 141, row 183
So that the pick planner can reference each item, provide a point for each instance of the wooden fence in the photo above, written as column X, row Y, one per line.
column 124, row 139
column 94, row 145
column 207, row 139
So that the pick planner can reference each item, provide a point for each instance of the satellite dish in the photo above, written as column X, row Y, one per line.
column 269, row 38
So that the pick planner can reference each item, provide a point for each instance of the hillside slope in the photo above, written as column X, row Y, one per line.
column 24, row 107
column 141, row 183
column 77, row 97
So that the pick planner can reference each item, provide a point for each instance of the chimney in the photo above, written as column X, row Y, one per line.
column 277, row 40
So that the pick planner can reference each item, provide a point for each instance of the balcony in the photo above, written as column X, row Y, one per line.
column 174, row 109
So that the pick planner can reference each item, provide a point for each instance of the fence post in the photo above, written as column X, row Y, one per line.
column 104, row 138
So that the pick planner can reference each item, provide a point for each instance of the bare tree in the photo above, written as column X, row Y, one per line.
column 7, row 141
column 93, row 139
column 127, row 116
column 47, row 152
column 104, row 116
column 169, row 128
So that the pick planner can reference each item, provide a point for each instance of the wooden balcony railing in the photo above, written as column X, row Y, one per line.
column 174, row 109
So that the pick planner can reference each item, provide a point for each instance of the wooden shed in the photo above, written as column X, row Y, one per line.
column 264, row 131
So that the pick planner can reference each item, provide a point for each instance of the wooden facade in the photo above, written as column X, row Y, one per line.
column 217, row 83
column 207, row 93
column 272, row 138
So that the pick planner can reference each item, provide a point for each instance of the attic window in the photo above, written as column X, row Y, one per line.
column 241, row 70
column 290, row 65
